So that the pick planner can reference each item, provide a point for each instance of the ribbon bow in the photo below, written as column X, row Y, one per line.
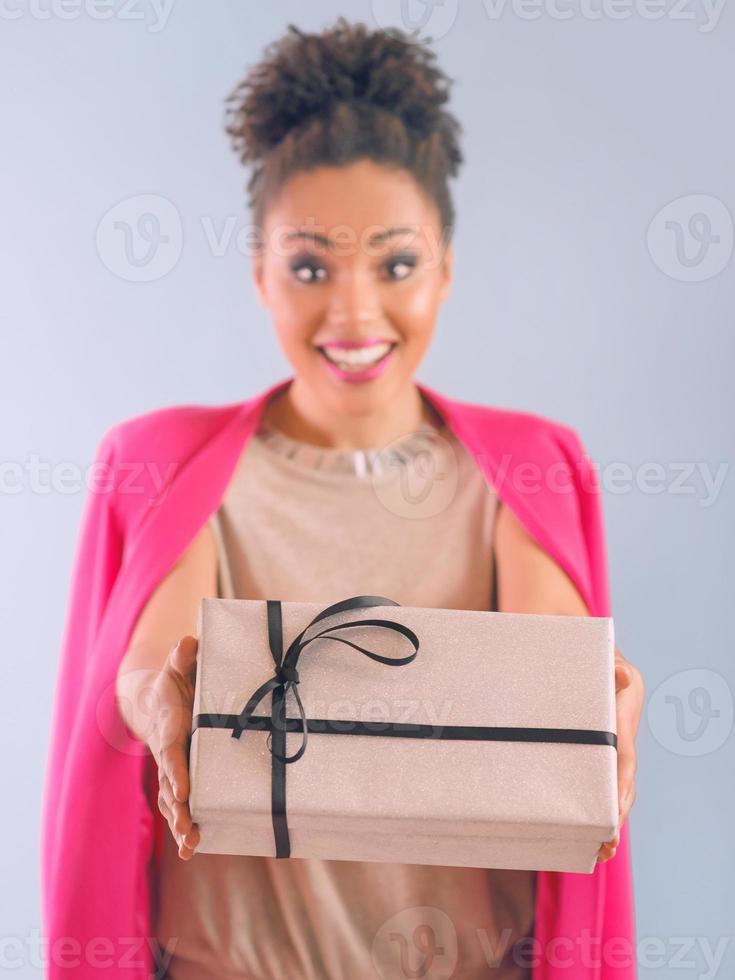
column 287, row 676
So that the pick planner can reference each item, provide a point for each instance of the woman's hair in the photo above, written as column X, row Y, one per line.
column 343, row 95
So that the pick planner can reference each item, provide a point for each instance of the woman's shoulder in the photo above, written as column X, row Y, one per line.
column 167, row 430
column 506, row 425
column 143, row 453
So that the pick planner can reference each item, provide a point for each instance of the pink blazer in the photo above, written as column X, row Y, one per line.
column 157, row 479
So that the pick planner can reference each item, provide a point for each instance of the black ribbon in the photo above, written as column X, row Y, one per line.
column 287, row 676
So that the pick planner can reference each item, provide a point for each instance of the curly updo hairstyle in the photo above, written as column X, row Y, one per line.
column 345, row 94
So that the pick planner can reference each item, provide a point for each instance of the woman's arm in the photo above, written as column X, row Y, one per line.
column 156, row 678
column 170, row 613
column 530, row 581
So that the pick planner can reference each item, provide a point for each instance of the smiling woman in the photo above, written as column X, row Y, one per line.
column 350, row 477
column 352, row 148
column 379, row 301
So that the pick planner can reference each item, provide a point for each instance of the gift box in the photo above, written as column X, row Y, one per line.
column 371, row 731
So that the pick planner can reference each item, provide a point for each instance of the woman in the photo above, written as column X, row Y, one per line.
column 293, row 494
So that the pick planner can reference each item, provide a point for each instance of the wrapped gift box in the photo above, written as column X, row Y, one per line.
column 490, row 742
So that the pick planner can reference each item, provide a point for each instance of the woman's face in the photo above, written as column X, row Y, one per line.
column 352, row 268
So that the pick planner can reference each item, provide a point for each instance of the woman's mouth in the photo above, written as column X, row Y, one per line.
column 358, row 363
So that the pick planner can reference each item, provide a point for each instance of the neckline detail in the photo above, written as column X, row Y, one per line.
column 361, row 463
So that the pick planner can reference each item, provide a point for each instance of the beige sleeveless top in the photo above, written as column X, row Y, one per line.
column 412, row 522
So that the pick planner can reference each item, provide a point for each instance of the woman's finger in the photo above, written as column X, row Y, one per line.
column 177, row 815
column 185, row 844
column 180, row 811
column 164, row 789
column 626, row 803
column 166, row 811
column 175, row 765
column 183, row 823
column 623, row 673
column 183, row 657
column 608, row 846
column 627, row 765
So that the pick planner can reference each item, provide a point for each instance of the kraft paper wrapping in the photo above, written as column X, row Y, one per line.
column 490, row 804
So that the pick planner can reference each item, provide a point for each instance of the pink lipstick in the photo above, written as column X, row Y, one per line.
column 350, row 368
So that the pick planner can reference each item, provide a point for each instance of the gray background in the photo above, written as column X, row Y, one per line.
column 578, row 132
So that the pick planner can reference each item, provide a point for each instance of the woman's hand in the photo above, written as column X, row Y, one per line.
column 173, row 700
column 629, row 693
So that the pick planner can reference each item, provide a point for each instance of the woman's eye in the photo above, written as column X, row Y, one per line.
column 312, row 272
column 408, row 262
column 399, row 266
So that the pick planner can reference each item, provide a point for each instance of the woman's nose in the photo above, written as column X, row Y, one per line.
column 354, row 300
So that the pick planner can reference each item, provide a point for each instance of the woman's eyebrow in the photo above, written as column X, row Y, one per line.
column 376, row 239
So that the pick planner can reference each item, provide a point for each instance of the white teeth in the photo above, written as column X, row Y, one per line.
column 357, row 357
